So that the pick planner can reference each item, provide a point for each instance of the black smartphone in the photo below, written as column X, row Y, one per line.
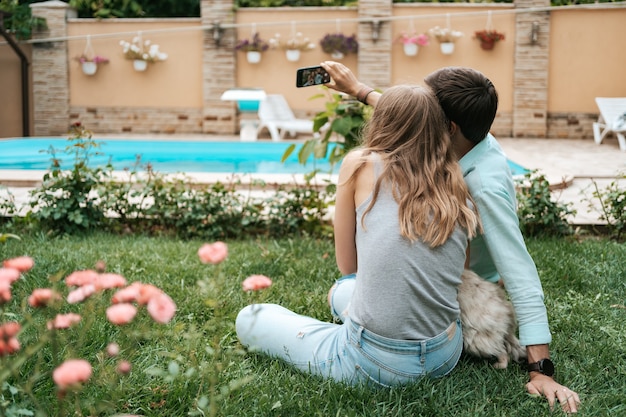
column 308, row 76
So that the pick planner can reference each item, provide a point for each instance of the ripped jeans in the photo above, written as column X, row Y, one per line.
column 346, row 352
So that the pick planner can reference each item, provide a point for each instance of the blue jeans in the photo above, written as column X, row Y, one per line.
column 346, row 352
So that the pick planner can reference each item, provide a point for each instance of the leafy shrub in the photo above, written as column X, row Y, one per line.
column 67, row 200
column 19, row 20
column 85, row 198
column 537, row 212
column 612, row 201
column 343, row 121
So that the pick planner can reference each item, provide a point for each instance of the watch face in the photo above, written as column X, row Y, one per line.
column 546, row 367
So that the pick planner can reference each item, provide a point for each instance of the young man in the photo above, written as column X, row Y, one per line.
column 470, row 102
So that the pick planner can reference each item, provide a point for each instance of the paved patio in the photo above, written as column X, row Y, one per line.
column 571, row 166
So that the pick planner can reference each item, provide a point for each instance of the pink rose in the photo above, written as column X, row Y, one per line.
column 10, row 329
column 71, row 372
column 80, row 278
column 9, row 346
column 21, row 263
column 41, row 297
column 5, row 292
column 147, row 292
column 124, row 367
column 256, row 282
column 107, row 281
column 128, row 294
column 63, row 321
column 81, row 293
column 9, row 275
column 122, row 313
column 213, row 253
column 161, row 308
column 113, row 349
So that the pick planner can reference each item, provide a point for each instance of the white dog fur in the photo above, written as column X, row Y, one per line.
column 488, row 319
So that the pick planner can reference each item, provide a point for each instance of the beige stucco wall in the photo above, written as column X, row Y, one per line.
column 497, row 64
column 174, row 83
column 587, row 58
column 274, row 73
column 11, row 91
column 277, row 75
column 585, row 53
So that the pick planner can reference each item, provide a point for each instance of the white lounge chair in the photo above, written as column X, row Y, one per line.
column 277, row 117
column 612, row 119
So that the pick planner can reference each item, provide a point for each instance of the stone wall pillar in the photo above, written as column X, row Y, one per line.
column 530, row 96
column 374, row 36
column 51, row 102
column 218, row 66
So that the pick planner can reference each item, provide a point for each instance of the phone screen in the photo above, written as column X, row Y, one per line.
column 309, row 76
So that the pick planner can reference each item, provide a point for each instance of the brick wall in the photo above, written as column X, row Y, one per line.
column 52, row 112
column 49, row 72
column 138, row 120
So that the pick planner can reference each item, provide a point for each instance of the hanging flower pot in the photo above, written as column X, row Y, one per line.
column 487, row 45
column 410, row 49
column 253, row 48
column 292, row 54
column 254, row 57
column 339, row 45
column 141, row 52
column 411, row 41
column 488, row 38
column 140, row 64
column 89, row 68
column 294, row 46
column 447, row 47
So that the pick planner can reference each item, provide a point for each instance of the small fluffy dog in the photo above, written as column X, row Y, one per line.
column 488, row 319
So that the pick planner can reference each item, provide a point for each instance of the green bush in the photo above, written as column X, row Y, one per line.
column 612, row 201
column 342, row 123
column 85, row 198
column 538, row 213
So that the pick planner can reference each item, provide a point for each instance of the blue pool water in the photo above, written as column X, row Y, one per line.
column 165, row 156
column 172, row 156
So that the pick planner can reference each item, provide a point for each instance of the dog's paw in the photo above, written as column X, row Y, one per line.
column 502, row 362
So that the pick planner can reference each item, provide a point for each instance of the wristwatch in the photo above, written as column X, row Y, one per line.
column 544, row 366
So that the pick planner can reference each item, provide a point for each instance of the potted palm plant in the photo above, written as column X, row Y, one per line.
column 253, row 48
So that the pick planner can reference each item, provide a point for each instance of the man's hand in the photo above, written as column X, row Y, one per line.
column 546, row 386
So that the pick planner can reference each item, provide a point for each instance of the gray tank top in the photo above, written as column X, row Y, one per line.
column 403, row 290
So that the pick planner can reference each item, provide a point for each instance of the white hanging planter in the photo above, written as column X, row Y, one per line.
column 447, row 47
column 140, row 64
column 254, row 57
column 337, row 55
column 89, row 68
column 410, row 49
column 293, row 55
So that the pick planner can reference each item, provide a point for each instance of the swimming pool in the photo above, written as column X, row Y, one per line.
column 173, row 156
column 165, row 156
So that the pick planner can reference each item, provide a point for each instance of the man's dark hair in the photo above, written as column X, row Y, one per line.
column 467, row 97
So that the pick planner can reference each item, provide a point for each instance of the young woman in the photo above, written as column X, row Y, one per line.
column 402, row 221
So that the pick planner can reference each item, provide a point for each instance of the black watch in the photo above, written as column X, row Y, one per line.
column 544, row 366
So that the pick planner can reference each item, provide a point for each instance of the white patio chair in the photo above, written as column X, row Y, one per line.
column 277, row 117
column 612, row 119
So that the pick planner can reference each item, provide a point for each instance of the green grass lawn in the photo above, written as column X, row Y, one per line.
column 195, row 360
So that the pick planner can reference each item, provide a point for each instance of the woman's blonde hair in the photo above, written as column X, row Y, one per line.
column 409, row 131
